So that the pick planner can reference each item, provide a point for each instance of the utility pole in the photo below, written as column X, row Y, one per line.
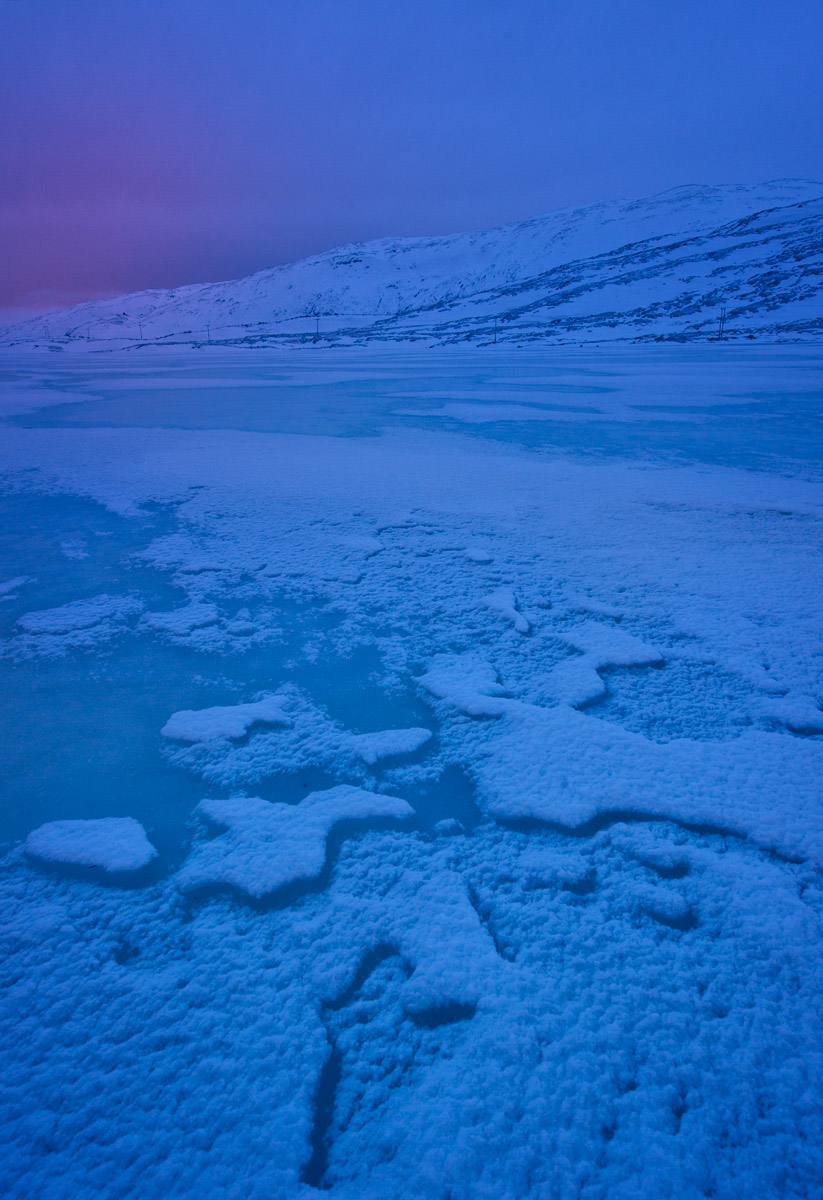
column 317, row 329
column 722, row 323
column 208, row 333
column 140, row 327
column 495, row 331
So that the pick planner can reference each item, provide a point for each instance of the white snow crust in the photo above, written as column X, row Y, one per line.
column 387, row 743
column 232, row 721
column 111, row 843
column 267, row 845
column 79, row 615
column 577, row 681
column 182, row 620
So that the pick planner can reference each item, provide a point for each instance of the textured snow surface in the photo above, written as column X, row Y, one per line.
column 387, row 743
column 112, row 843
column 224, row 722
column 78, row 615
column 268, row 845
column 482, row 759
column 182, row 620
column 577, row 680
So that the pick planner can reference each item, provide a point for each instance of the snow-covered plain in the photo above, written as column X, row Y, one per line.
column 471, row 700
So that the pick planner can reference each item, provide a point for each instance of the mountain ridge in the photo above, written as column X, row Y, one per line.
column 659, row 268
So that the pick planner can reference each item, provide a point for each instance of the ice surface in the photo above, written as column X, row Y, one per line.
column 511, row 737
column 111, row 843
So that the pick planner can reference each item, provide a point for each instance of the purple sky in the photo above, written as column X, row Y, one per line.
column 159, row 142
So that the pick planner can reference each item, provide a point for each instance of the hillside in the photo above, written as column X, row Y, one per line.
column 657, row 268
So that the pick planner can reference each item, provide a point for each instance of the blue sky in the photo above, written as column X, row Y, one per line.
column 150, row 144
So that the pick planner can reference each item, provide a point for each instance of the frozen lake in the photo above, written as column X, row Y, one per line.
column 471, row 702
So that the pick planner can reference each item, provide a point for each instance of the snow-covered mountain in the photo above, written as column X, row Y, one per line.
column 658, row 268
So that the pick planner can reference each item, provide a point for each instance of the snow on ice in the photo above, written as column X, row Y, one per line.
column 182, row 620
column 111, row 843
column 577, row 680
column 270, row 845
column 79, row 615
column 233, row 721
column 508, row 882
column 387, row 743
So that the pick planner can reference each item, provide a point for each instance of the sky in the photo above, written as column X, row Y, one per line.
column 152, row 143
